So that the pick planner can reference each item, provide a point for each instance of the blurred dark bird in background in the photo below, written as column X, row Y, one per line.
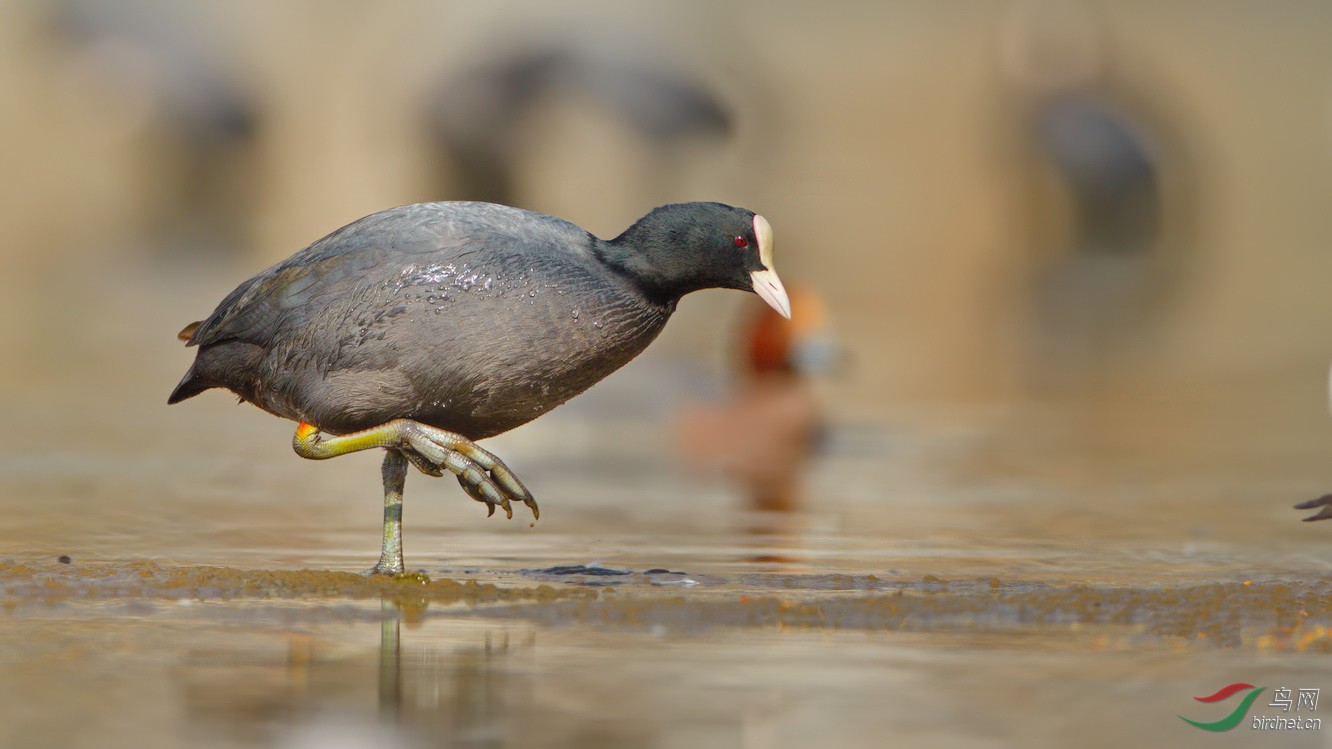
column 476, row 116
column 1106, row 162
column 1096, row 170
column 1110, row 273
column 192, row 84
column 164, row 66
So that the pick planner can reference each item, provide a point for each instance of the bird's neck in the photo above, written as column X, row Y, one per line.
column 657, row 255
column 655, row 266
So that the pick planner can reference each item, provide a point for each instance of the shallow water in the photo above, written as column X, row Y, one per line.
column 1017, row 584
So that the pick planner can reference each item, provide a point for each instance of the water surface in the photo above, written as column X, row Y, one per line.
column 1017, row 582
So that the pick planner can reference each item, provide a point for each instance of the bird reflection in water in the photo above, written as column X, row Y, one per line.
column 477, row 689
column 762, row 436
column 390, row 659
column 463, row 694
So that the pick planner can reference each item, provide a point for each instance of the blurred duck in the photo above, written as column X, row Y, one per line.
column 763, row 434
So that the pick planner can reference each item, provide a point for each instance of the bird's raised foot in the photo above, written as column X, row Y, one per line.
column 480, row 472
column 433, row 451
column 1324, row 502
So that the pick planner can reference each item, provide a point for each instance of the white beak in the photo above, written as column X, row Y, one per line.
column 766, row 283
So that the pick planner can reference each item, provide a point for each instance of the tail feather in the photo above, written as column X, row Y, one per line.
column 190, row 386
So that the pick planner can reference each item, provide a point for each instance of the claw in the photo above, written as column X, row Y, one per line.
column 474, row 491
column 499, row 472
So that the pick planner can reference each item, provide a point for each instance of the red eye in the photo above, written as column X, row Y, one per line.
column 741, row 242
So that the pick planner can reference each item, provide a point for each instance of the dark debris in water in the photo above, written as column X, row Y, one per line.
column 594, row 570
column 594, row 575
column 587, row 575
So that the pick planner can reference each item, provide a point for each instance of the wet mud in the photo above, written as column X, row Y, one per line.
column 1282, row 616
column 22, row 584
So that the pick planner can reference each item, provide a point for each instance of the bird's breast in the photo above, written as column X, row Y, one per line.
column 482, row 349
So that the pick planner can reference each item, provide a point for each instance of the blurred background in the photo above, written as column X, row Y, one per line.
column 1062, row 272
column 1114, row 204
column 1048, row 243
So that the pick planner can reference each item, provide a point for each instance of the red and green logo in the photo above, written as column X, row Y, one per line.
column 1237, row 715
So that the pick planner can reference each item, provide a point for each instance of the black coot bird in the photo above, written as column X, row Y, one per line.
column 423, row 328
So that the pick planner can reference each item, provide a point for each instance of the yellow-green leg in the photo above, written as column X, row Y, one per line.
column 482, row 475
column 395, row 478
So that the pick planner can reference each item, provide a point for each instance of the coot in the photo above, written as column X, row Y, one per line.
column 423, row 328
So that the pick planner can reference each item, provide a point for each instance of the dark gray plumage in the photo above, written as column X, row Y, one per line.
column 469, row 318
column 472, row 317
